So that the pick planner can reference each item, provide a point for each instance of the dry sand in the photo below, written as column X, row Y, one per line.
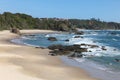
column 19, row 62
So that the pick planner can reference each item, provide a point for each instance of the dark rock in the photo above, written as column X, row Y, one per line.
column 52, row 39
column 113, row 33
column 67, row 40
column 114, row 49
column 77, row 36
column 90, row 51
column 79, row 32
column 15, row 30
column 117, row 60
column 32, row 35
column 93, row 46
column 83, row 44
column 103, row 48
column 53, row 53
column 40, row 47
column 82, row 37
column 81, row 50
column 53, row 47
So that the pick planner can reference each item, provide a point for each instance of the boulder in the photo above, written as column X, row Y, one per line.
column 52, row 39
column 15, row 30
column 79, row 32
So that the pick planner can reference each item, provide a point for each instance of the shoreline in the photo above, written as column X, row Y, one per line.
column 33, row 64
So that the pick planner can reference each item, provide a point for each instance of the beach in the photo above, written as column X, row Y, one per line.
column 21, row 62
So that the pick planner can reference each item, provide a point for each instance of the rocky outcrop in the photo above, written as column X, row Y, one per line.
column 67, row 50
column 15, row 30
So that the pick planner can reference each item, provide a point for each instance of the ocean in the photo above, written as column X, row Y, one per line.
column 103, row 64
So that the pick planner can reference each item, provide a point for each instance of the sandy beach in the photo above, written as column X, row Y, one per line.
column 19, row 62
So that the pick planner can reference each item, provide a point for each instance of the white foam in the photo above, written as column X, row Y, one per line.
column 52, row 35
column 114, row 39
column 80, row 59
column 28, row 38
column 47, row 35
column 99, row 52
column 81, row 41
column 18, row 41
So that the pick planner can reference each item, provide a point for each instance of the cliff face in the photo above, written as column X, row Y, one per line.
column 23, row 21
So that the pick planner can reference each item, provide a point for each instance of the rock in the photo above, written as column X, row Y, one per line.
column 113, row 33
column 53, row 47
column 117, row 60
column 81, row 50
column 103, row 48
column 79, row 32
column 114, row 49
column 82, row 37
column 53, row 53
column 15, row 30
column 93, row 46
column 89, row 51
column 77, row 36
column 52, row 39
column 67, row 40
column 40, row 47
column 32, row 35
column 83, row 44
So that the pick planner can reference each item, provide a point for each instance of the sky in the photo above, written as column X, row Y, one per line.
column 106, row 10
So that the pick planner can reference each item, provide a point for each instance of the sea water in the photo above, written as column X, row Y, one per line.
column 100, row 63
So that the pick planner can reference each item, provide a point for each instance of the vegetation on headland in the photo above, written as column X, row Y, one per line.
column 23, row 21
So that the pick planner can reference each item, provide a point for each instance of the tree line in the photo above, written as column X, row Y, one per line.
column 23, row 21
